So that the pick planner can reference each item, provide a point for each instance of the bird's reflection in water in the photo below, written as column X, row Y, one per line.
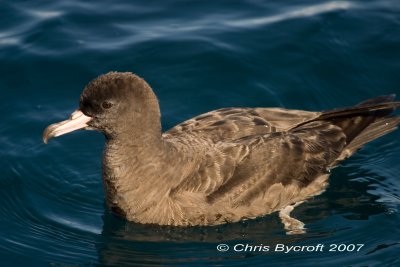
column 125, row 243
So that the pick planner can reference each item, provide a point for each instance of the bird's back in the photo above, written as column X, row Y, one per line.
column 233, row 123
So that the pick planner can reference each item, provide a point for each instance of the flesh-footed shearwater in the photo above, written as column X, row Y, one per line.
column 223, row 166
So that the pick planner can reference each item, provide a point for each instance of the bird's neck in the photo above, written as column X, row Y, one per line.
column 135, row 171
column 133, row 153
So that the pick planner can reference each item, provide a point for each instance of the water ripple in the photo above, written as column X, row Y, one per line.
column 302, row 12
column 45, row 14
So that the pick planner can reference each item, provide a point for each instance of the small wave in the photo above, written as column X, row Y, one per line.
column 292, row 14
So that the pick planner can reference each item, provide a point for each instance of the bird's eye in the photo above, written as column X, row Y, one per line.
column 106, row 105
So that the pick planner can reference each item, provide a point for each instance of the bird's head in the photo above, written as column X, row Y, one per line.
column 113, row 103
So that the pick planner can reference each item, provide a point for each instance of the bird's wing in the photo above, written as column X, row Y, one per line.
column 245, row 168
column 241, row 167
column 233, row 123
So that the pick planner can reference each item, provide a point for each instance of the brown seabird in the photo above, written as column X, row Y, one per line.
column 223, row 166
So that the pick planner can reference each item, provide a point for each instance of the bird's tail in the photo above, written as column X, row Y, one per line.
column 364, row 122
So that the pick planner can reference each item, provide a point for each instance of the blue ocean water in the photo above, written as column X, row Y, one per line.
column 197, row 56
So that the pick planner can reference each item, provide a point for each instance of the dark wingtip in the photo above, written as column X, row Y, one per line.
column 378, row 100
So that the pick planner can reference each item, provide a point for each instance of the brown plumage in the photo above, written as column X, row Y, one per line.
column 222, row 166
